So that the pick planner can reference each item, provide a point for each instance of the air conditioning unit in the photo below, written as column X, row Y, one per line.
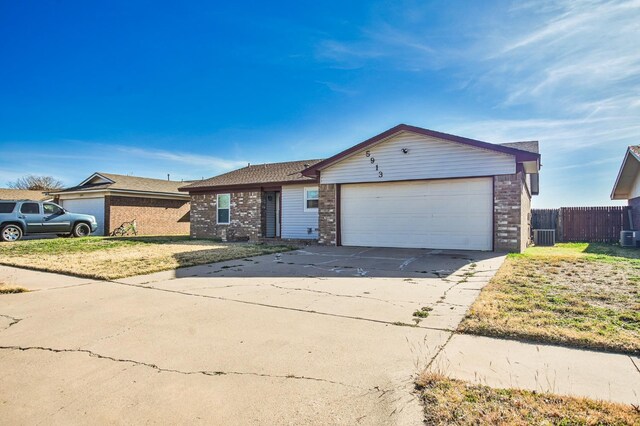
column 629, row 238
column 544, row 237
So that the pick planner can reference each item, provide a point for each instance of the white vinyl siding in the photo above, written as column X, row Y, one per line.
column 439, row 214
column 296, row 222
column 92, row 206
column 427, row 158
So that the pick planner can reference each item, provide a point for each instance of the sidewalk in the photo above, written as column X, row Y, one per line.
column 37, row 280
column 511, row 364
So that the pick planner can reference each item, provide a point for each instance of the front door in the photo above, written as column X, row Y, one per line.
column 32, row 216
column 270, row 222
column 278, row 214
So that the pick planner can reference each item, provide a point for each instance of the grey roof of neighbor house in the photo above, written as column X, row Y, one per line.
column 22, row 194
column 270, row 173
column 128, row 183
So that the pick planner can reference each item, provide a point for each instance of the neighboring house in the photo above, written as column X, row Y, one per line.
column 627, row 186
column 156, row 204
column 23, row 194
column 406, row 187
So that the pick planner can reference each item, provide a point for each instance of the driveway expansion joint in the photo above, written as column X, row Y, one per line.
column 287, row 308
column 634, row 364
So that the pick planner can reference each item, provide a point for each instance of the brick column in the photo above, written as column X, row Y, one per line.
column 327, row 214
column 511, row 206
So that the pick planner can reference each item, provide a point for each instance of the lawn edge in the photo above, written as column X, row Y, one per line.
column 284, row 248
column 539, row 340
column 427, row 382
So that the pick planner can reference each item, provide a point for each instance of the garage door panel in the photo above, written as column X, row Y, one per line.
column 448, row 214
column 92, row 206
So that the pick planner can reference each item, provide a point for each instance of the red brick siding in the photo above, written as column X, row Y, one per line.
column 246, row 221
column 327, row 219
column 154, row 216
column 512, row 208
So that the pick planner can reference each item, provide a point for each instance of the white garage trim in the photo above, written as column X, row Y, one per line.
column 92, row 206
column 437, row 214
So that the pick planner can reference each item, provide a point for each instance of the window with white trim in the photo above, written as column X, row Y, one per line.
column 311, row 199
column 223, row 204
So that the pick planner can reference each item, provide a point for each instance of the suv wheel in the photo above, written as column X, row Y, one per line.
column 81, row 230
column 11, row 233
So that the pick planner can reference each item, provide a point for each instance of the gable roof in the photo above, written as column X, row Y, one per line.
column 259, row 174
column 122, row 183
column 520, row 154
column 23, row 194
column 629, row 171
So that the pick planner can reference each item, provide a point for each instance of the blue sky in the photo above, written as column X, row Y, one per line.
column 198, row 88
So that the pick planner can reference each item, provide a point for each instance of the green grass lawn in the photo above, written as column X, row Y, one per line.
column 585, row 295
column 118, row 257
column 454, row 402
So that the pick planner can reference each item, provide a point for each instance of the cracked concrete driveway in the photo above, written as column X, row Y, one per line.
column 314, row 336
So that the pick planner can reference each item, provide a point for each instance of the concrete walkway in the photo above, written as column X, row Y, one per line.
column 510, row 364
column 318, row 336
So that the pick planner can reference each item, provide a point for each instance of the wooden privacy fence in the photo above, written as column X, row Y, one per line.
column 588, row 224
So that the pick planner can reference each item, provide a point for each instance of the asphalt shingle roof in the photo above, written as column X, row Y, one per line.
column 530, row 146
column 258, row 174
column 130, row 183
column 22, row 194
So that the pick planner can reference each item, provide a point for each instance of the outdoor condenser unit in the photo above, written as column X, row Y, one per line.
column 544, row 237
column 629, row 238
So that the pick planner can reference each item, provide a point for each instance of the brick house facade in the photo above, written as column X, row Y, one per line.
column 493, row 188
column 154, row 216
column 156, row 204
column 246, row 219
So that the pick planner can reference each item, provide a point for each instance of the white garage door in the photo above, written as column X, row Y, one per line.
column 439, row 214
column 92, row 206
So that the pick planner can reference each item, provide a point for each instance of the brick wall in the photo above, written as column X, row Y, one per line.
column 512, row 208
column 525, row 216
column 327, row 214
column 246, row 222
column 154, row 216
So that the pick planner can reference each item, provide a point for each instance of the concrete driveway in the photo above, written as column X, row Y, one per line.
column 314, row 336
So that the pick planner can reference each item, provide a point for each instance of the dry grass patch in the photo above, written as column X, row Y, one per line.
column 111, row 258
column 11, row 289
column 454, row 402
column 567, row 296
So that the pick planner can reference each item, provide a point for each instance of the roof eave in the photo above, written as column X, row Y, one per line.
column 218, row 188
column 119, row 191
column 614, row 192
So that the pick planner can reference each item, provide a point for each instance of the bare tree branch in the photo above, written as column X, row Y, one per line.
column 36, row 183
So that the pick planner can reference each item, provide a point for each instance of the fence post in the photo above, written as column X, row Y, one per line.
column 559, row 227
